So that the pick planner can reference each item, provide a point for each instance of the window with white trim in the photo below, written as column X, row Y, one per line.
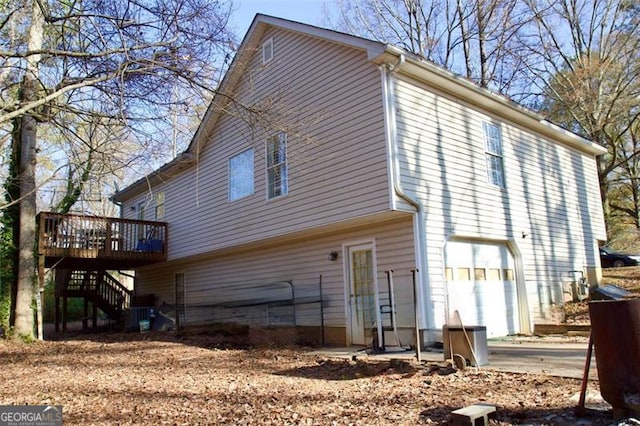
column 267, row 51
column 493, row 154
column 141, row 215
column 277, row 176
column 141, row 210
column 241, row 175
column 159, row 200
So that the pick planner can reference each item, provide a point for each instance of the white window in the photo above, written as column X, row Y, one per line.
column 141, row 210
column 493, row 154
column 141, row 215
column 277, row 179
column 159, row 198
column 241, row 175
column 267, row 51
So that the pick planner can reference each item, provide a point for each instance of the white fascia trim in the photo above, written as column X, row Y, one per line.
column 373, row 48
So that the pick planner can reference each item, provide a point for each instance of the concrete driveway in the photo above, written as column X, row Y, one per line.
column 556, row 355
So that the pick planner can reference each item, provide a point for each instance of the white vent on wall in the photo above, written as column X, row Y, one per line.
column 267, row 51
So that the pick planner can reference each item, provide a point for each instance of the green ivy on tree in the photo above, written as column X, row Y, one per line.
column 9, row 223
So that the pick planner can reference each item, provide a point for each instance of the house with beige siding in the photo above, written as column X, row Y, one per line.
column 353, row 191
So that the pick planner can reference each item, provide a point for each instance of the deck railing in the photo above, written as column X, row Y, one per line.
column 95, row 236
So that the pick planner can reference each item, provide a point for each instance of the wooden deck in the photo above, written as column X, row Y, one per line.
column 93, row 242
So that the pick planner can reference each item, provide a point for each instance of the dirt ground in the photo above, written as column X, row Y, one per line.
column 157, row 378
column 154, row 378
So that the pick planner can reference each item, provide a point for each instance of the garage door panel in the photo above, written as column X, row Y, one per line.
column 481, row 286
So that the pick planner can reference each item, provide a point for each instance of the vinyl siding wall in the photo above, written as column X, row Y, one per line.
column 260, row 274
column 551, row 195
column 328, row 99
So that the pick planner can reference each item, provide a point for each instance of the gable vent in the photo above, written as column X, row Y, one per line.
column 267, row 51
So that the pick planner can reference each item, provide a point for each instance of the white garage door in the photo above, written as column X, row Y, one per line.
column 482, row 287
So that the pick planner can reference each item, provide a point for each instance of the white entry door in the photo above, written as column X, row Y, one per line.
column 482, row 287
column 363, row 295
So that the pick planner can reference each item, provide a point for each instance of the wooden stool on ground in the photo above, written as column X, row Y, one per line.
column 476, row 414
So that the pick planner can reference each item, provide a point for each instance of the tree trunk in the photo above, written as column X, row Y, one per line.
column 27, row 237
column 604, row 194
column 481, row 14
column 24, row 315
column 74, row 189
column 464, row 33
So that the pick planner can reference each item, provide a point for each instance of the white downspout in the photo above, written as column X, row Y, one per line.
column 419, row 219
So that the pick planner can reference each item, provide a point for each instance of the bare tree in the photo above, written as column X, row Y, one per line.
column 85, row 65
column 97, row 152
column 624, row 187
column 475, row 38
column 587, row 67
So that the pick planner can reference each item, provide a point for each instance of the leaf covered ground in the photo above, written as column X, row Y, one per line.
column 163, row 379
column 159, row 378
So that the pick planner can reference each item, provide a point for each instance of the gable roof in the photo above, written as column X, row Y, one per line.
column 379, row 54
column 249, row 45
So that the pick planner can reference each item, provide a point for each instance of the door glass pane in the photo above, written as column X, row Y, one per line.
column 364, row 293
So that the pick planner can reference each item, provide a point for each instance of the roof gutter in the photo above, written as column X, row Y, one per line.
column 388, row 72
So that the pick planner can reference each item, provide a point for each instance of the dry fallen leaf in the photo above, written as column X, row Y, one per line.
column 118, row 378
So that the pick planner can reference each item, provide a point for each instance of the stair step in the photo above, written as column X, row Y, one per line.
column 101, row 289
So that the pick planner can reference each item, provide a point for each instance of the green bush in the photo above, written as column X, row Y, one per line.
column 5, row 304
column 6, row 276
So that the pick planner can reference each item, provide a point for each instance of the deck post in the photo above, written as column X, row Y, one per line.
column 108, row 238
column 56, row 313
column 85, row 314
column 94, row 316
column 64, row 314
column 40, row 297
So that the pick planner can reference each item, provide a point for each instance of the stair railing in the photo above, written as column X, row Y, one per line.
column 82, row 280
column 113, row 292
column 101, row 288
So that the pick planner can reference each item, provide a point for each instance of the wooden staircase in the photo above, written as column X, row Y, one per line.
column 99, row 288
column 81, row 249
